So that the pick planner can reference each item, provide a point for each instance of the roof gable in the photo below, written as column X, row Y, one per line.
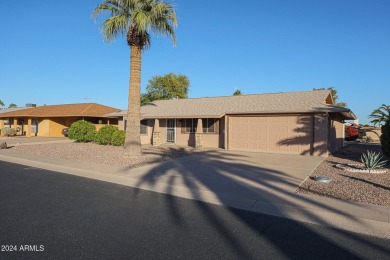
column 329, row 99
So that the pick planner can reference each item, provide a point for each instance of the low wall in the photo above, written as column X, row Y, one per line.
column 373, row 132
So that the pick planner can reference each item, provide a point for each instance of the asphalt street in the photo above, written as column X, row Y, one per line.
column 50, row 215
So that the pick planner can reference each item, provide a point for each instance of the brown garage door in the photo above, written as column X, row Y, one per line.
column 287, row 134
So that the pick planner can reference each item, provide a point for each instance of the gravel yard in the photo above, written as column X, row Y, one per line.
column 102, row 154
column 361, row 187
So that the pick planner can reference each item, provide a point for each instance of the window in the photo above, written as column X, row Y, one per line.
column 210, row 125
column 190, row 125
column 8, row 122
column 144, row 127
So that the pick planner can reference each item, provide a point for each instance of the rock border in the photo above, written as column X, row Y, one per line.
column 352, row 168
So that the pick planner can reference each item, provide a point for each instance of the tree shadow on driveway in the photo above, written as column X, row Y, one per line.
column 230, row 177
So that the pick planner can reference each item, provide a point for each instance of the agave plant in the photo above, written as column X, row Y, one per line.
column 372, row 160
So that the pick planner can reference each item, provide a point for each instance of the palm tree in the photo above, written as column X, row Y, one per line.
column 380, row 115
column 1, row 104
column 136, row 19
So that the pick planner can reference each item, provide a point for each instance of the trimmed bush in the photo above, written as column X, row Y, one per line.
column 118, row 138
column 105, row 134
column 385, row 139
column 82, row 131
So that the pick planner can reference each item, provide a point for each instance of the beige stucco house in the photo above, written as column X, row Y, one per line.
column 305, row 123
column 50, row 120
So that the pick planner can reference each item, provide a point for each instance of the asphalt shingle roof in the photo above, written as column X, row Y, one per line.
column 83, row 109
column 286, row 102
column 6, row 110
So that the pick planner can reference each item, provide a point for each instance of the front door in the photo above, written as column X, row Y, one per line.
column 171, row 130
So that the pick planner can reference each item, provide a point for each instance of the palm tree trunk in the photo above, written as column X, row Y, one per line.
column 133, row 140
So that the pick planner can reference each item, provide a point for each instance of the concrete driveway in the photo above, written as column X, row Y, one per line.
column 259, row 182
column 231, row 174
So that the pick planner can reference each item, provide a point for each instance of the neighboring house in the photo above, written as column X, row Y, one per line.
column 6, row 122
column 50, row 120
column 296, row 123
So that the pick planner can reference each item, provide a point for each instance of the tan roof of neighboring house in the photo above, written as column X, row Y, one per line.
column 286, row 102
column 83, row 109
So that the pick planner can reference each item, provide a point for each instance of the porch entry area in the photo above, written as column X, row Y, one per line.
column 171, row 131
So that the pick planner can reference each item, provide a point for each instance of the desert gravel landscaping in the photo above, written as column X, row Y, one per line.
column 103, row 154
column 370, row 188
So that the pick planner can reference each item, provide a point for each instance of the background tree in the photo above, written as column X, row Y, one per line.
column 12, row 105
column 166, row 87
column 237, row 93
column 380, row 115
column 335, row 97
column 1, row 104
column 136, row 19
column 145, row 98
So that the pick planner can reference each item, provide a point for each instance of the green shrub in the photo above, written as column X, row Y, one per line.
column 82, row 131
column 385, row 139
column 104, row 135
column 118, row 138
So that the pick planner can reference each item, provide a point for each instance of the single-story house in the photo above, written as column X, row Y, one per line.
column 50, row 120
column 306, row 123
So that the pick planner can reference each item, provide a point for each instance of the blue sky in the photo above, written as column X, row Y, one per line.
column 53, row 53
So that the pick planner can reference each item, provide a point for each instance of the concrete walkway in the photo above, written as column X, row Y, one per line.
column 259, row 182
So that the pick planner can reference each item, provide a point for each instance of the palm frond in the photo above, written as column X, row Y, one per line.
column 380, row 115
column 163, row 28
column 108, row 6
column 113, row 26
column 142, row 20
column 143, row 16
